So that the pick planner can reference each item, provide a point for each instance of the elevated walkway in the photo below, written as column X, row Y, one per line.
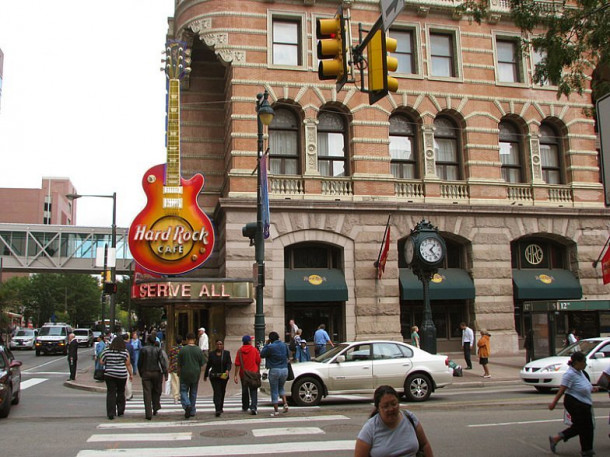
column 38, row 248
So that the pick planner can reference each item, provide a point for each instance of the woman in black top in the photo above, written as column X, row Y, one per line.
column 218, row 368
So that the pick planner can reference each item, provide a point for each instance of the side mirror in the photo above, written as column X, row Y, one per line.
column 341, row 359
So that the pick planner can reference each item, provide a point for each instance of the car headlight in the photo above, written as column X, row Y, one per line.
column 552, row 368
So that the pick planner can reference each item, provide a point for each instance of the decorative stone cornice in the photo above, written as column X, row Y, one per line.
column 217, row 41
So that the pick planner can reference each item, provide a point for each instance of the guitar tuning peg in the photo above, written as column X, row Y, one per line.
column 188, row 61
column 188, row 52
column 187, row 70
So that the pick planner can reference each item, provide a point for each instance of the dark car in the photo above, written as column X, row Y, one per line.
column 10, row 381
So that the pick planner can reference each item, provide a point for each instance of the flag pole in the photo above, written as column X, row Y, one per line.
column 387, row 226
column 601, row 253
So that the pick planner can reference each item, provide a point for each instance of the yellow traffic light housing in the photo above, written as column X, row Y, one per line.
column 331, row 49
column 379, row 64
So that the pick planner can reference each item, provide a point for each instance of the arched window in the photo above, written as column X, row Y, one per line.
column 403, row 148
column 510, row 152
column 284, row 143
column 550, row 154
column 446, row 135
column 331, row 144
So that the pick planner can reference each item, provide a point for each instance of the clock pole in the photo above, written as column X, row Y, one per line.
column 428, row 329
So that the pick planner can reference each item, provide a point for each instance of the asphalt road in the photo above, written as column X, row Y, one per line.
column 55, row 421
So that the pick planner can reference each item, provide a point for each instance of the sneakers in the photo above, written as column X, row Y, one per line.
column 187, row 412
column 253, row 412
column 487, row 376
column 275, row 414
column 285, row 408
column 552, row 445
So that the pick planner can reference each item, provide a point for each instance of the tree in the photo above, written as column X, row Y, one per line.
column 573, row 36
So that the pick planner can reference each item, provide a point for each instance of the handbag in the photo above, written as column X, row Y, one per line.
column 290, row 376
column 420, row 452
column 98, row 374
column 251, row 378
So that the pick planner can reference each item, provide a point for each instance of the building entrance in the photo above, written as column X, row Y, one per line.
column 309, row 316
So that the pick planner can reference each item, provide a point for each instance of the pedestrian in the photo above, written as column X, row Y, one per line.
column 320, row 338
column 528, row 345
column 190, row 361
column 415, row 336
column 204, row 344
column 247, row 359
column 390, row 431
column 72, row 356
column 302, row 353
column 98, row 373
column 291, row 330
column 173, row 369
column 484, row 350
column 218, row 369
column 128, row 384
column 136, row 343
column 276, row 355
column 467, row 343
column 117, row 369
column 571, row 337
column 153, row 371
column 578, row 403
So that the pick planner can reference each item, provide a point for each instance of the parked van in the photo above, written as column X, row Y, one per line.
column 52, row 338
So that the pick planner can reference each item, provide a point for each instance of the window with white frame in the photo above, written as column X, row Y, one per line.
column 537, row 58
column 331, row 144
column 442, row 55
column 286, row 42
column 284, row 142
column 403, row 164
column 405, row 50
column 550, row 154
column 508, row 57
column 446, row 143
column 510, row 152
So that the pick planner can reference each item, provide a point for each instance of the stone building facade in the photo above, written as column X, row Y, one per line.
column 508, row 172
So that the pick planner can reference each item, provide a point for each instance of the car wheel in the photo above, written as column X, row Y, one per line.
column 418, row 387
column 6, row 407
column 542, row 390
column 307, row 392
column 16, row 398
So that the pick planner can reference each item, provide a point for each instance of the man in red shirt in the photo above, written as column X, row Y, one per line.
column 250, row 358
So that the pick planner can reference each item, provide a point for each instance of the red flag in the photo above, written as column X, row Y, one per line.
column 384, row 253
column 606, row 267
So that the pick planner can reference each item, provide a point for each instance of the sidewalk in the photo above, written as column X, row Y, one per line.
column 503, row 370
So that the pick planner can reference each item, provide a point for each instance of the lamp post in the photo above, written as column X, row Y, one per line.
column 264, row 116
column 73, row 197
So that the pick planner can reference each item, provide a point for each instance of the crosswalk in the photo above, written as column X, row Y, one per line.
column 169, row 435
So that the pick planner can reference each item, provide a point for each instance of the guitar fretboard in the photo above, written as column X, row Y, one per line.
column 172, row 176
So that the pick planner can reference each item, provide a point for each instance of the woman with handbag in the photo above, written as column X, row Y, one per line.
column 578, row 403
column 117, row 369
column 218, row 369
column 390, row 431
column 276, row 355
column 248, row 360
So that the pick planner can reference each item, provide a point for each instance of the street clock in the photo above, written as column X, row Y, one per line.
column 425, row 249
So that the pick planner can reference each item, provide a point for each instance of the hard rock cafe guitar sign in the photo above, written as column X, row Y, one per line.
column 172, row 235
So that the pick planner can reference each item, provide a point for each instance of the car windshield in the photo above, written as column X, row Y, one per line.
column 325, row 358
column 52, row 331
column 583, row 346
column 25, row 333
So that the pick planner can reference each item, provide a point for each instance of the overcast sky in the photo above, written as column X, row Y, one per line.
column 83, row 97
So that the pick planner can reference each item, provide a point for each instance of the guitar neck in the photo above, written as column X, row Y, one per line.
column 172, row 174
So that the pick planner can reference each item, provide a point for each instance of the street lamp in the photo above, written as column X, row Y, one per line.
column 264, row 116
column 73, row 197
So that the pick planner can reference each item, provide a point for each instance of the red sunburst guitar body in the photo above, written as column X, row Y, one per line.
column 172, row 235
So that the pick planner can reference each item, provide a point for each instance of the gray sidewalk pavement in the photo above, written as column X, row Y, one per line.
column 503, row 370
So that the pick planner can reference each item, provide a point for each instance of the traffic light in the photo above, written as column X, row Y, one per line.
column 380, row 63
column 106, row 276
column 110, row 288
column 331, row 49
column 249, row 231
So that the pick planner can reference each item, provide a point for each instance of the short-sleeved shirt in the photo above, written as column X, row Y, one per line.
column 190, row 361
column 320, row 337
column 114, row 363
column 387, row 442
column 578, row 386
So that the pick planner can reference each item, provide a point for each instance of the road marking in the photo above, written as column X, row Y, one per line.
column 504, row 424
column 31, row 382
column 259, row 432
column 191, row 423
column 114, row 437
column 224, row 450
column 43, row 364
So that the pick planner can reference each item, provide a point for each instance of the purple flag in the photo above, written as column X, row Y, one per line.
column 265, row 196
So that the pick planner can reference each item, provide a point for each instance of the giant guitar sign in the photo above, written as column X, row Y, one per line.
column 172, row 235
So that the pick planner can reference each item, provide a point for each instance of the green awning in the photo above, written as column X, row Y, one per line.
column 566, row 305
column 542, row 284
column 447, row 284
column 315, row 285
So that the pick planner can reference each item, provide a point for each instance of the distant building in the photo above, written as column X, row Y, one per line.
column 47, row 205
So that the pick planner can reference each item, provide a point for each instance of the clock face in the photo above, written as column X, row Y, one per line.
column 431, row 250
column 409, row 250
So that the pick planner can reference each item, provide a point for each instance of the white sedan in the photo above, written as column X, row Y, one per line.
column 361, row 367
column 545, row 374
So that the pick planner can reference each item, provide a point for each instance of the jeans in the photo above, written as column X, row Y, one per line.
column 320, row 349
column 188, row 395
column 115, row 395
column 152, row 385
column 134, row 362
column 249, row 397
column 277, row 379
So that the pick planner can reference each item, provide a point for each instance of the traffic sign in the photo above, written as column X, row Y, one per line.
column 390, row 9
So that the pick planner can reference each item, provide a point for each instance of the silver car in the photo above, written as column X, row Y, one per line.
column 24, row 339
column 360, row 367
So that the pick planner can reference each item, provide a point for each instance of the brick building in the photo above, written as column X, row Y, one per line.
column 507, row 172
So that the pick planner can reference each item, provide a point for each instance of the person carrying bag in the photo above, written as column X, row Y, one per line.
column 247, row 368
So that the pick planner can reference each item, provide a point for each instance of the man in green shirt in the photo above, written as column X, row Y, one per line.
column 190, row 361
